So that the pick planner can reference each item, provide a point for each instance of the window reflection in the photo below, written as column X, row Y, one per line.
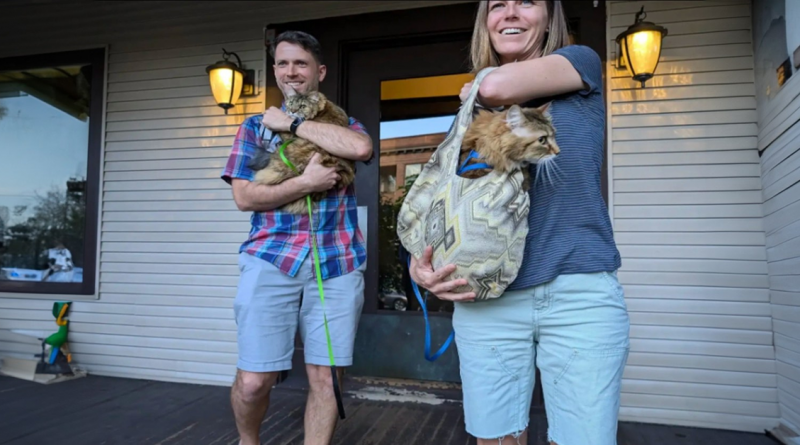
column 404, row 153
column 388, row 179
column 44, row 130
column 413, row 170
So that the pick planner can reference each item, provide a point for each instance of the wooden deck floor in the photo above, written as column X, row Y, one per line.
column 101, row 410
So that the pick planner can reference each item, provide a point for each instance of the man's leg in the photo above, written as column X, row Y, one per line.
column 321, row 411
column 250, row 401
column 267, row 305
column 344, row 298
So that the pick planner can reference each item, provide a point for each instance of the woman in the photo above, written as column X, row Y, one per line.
column 565, row 312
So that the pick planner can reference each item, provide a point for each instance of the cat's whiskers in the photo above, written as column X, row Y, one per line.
column 547, row 169
column 552, row 166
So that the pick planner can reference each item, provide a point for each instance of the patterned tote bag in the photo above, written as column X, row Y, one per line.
column 477, row 224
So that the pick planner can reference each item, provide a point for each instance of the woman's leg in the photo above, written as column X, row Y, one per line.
column 582, row 351
column 496, row 354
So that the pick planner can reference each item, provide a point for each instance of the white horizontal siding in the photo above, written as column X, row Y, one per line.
column 169, row 230
column 779, row 138
column 688, row 220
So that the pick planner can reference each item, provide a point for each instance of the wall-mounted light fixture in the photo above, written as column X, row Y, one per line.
column 229, row 81
column 639, row 48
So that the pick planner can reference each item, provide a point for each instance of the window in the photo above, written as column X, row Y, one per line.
column 413, row 170
column 50, row 131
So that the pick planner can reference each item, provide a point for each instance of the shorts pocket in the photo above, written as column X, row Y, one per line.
column 242, row 262
column 583, row 402
column 491, row 355
column 614, row 287
column 492, row 392
column 563, row 371
column 582, row 361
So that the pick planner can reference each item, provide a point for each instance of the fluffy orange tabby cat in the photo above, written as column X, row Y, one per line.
column 509, row 139
column 270, row 168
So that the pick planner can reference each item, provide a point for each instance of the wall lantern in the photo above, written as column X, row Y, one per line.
column 639, row 48
column 229, row 81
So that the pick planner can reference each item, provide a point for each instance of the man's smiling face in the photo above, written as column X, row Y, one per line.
column 296, row 70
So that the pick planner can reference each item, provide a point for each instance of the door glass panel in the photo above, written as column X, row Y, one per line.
column 415, row 117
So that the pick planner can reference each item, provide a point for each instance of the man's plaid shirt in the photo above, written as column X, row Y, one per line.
column 283, row 239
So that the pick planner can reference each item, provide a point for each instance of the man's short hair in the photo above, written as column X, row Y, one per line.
column 304, row 39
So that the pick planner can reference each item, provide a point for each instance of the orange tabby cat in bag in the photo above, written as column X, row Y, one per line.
column 509, row 139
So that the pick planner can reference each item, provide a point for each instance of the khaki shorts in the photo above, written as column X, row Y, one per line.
column 270, row 306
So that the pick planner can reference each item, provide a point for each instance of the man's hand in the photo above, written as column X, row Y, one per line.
column 276, row 120
column 317, row 177
column 423, row 274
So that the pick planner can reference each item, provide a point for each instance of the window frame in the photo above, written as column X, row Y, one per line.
column 97, row 59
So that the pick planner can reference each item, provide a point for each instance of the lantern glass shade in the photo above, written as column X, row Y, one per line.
column 226, row 85
column 641, row 51
column 640, row 48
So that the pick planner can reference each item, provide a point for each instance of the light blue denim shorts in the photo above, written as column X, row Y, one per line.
column 575, row 329
column 269, row 311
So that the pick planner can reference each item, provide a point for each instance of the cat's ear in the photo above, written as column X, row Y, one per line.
column 317, row 99
column 543, row 109
column 514, row 117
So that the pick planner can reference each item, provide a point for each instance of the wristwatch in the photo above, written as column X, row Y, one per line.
column 295, row 123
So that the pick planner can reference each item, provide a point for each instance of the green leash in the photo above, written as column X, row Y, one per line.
column 336, row 389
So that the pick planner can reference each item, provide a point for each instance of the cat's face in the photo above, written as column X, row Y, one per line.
column 306, row 106
column 533, row 135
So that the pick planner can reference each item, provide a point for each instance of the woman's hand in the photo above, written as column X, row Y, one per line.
column 422, row 273
column 465, row 92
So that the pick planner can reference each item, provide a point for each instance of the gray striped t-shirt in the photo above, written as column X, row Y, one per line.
column 569, row 229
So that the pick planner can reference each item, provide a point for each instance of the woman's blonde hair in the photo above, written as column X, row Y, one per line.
column 483, row 55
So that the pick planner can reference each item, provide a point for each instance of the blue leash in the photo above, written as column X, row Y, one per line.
column 447, row 342
column 463, row 168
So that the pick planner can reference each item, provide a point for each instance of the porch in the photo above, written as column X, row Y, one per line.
column 703, row 189
column 106, row 410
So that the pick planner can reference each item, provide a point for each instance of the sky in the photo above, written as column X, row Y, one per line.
column 414, row 127
column 40, row 147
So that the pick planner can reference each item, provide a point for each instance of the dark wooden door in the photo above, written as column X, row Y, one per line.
column 392, row 344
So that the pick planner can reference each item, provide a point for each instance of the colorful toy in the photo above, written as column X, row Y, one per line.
column 59, row 357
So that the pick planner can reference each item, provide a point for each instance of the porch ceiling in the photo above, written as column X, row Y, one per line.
column 48, row 26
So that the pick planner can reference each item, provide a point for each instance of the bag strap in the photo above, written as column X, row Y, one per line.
column 464, row 116
column 468, row 107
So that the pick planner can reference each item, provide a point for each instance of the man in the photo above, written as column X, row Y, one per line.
column 276, row 261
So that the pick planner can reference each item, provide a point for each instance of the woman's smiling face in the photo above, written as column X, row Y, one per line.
column 517, row 28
